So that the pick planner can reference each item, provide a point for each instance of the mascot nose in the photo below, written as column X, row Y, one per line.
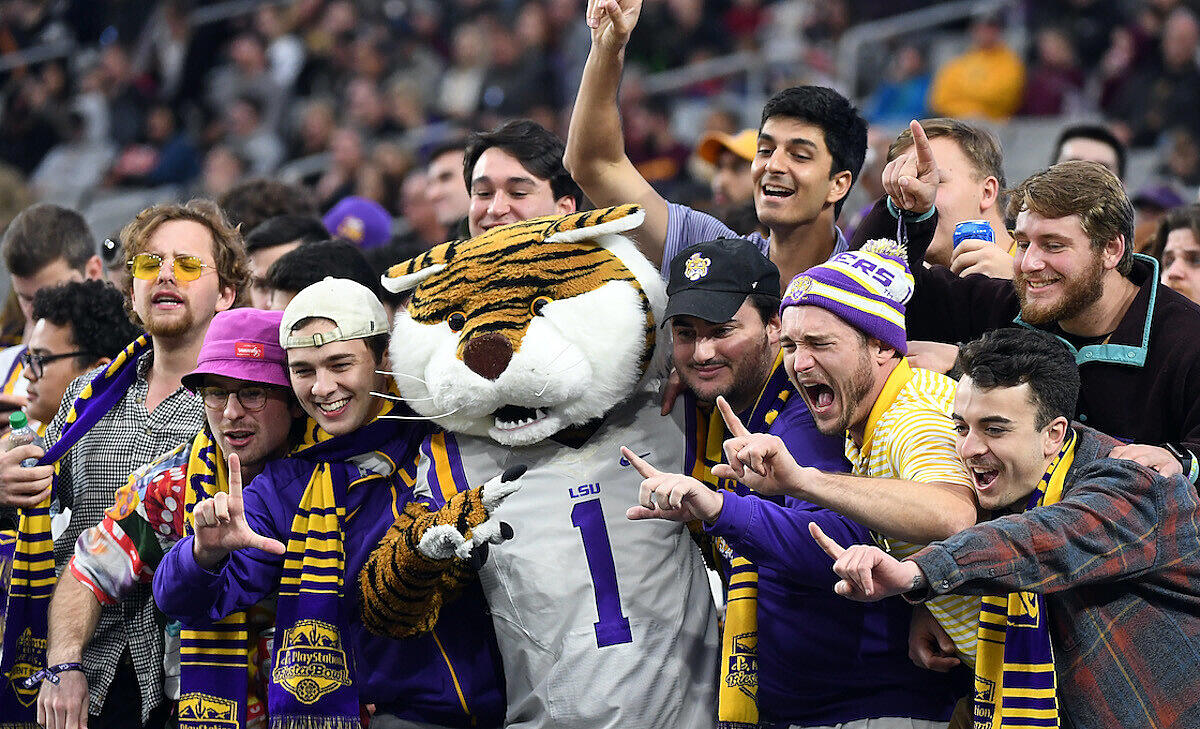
column 488, row 355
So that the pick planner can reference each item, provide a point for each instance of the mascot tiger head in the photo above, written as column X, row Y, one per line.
column 529, row 328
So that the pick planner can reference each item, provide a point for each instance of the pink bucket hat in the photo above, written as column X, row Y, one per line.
column 242, row 344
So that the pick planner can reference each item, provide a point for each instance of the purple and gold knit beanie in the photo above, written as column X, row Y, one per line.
column 867, row 289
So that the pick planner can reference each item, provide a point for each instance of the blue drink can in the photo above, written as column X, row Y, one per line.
column 973, row 230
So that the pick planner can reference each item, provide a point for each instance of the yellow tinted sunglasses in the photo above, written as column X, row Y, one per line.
column 147, row 265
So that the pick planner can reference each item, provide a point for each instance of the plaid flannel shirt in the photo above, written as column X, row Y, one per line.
column 122, row 441
column 1119, row 562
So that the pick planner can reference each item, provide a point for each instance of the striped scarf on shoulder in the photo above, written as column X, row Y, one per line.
column 313, row 681
column 737, row 696
column 1014, row 668
column 33, row 576
column 214, row 663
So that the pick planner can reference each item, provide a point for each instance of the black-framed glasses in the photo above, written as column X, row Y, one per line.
column 36, row 363
column 252, row 397
column 147, row 265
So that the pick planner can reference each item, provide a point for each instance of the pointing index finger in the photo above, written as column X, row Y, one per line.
column 736, row 429
column 921, row 146
column 832, row 548
column 235, row 477
column 642, row 466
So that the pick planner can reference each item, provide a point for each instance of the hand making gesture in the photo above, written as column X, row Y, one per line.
column 757, row 460
column 672, row 496
column 911, row 180
column 220, row 524
column 868, row 573
column 612, row 21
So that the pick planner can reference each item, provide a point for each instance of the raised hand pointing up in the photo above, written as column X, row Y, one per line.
column 220, row 524
column 911, row 180
column 867, row 572
column 758, row 460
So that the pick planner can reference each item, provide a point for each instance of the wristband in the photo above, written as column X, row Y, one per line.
column 912, row 217
column 50, row 673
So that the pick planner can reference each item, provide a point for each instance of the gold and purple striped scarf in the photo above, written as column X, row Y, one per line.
column 737, row 695
column 1015, row 683
column 33, row 576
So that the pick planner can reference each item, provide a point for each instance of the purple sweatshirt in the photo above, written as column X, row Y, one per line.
column 822, row 659
column 451, row 677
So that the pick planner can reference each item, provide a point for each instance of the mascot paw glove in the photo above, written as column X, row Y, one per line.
column 467, row 521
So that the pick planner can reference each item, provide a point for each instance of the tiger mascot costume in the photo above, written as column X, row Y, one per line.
column 534, row 347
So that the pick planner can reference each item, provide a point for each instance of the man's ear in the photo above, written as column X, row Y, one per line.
column 564, row 205
column 1054, row 435
column 990, row 194
column 226, row 299
column 94, row 268
column 881, row 352
column 839, row 186
column 1113, row 251
column 773, row 329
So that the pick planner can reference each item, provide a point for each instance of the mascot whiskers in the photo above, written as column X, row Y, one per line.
column 534, row 348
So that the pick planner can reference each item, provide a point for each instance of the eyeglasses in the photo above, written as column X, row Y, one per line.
column 147, row 265
column 252, row 397
column 36, row 363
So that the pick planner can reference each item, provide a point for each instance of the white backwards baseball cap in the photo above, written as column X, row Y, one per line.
column 354, row 310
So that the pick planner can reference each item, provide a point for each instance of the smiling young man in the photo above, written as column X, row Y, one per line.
column 188, row 263
column 515, row 172
column 811, row 145
column 1090, row 573
column 802, row 660
column 1074, row 275
column 844, row 342
column 248, row 408
column 336, row 494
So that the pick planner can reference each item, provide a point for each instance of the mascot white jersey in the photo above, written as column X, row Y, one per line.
column 534, row 347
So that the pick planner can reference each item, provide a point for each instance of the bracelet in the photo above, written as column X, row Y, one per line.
column 50, row 673
column 912, row 217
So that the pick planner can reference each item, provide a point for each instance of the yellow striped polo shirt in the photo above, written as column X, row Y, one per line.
column 910, row 436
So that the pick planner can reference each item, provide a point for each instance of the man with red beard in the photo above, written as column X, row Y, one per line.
column 1074, row 275
column 187, row 263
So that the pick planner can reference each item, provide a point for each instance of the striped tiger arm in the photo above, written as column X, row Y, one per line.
column 402, row 589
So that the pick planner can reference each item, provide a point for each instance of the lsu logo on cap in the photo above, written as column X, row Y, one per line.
column 352, row 229
column 798, row 287
column 249, row 350
column 696, row 267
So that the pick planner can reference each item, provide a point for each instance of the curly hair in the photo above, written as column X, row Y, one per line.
column 229, row 250
column 95, row 313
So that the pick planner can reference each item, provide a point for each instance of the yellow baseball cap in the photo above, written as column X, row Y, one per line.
column 743, row 144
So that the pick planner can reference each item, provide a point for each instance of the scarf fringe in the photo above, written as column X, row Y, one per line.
column 301, row 721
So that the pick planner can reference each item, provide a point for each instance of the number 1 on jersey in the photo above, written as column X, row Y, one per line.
column 612, row 627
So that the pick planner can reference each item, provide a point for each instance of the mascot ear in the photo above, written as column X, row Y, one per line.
column 593, row 223
column 407, row 275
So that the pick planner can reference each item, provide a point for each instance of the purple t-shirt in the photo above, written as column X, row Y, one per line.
column 687, row 227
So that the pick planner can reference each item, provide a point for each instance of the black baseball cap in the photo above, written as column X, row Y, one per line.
column 711, row 280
